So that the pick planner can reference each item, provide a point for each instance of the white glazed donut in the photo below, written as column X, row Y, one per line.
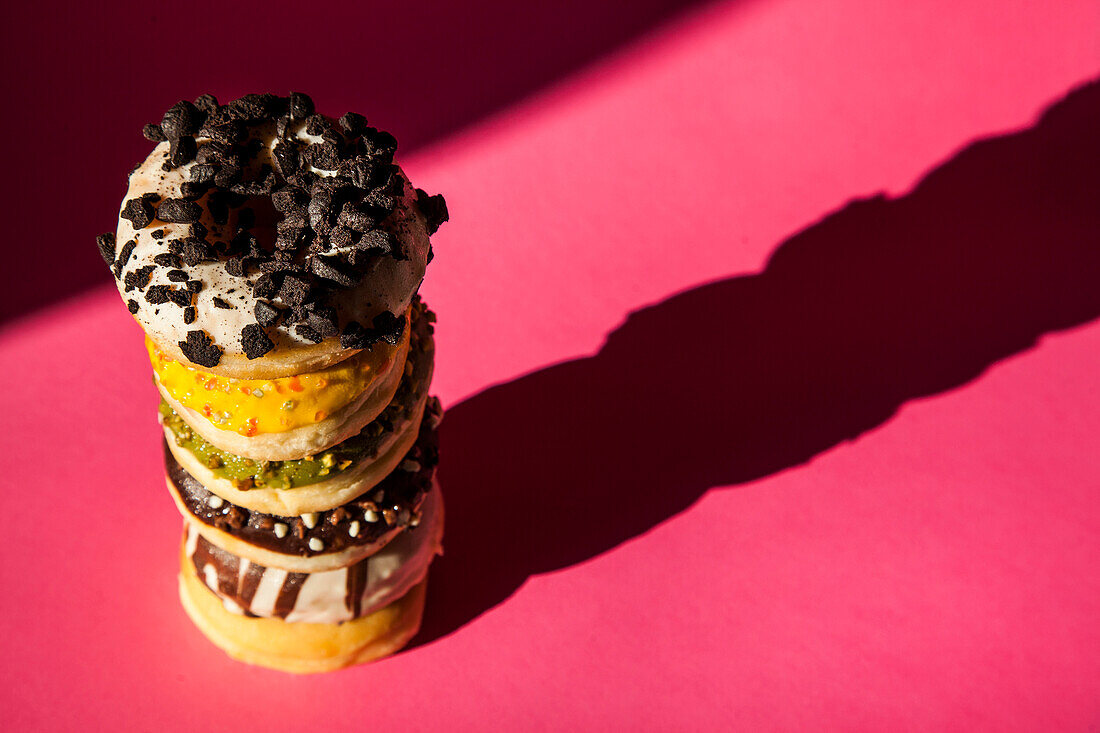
column 236, row 222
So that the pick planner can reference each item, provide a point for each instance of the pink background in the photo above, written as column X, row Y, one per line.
column 796, row 407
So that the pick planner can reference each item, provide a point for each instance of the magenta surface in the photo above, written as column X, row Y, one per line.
column 773, row 403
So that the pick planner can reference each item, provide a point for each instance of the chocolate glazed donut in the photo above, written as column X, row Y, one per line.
column 316, row 541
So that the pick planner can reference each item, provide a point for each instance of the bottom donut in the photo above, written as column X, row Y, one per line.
column 301, row 648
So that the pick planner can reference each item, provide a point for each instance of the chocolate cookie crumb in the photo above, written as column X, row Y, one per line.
column 182, row 298
column 153, row 133
column 308, row 333
column 266, row 313
column 132, row 306
column 206, row 103
column 182, row 118
column 139, row 278
column 235, row 266
column 181, row 151
column 139, row 212
column 106, row 244
column 189, row 314
column 194, row 250
column 124, row 257
column 202, row 173
column 219, row 303
column 193, row 191
column 434, row 209
column 157, row 294
column 295, row 289
column 389, row 327
column 327, row 268
column 265, row 286
column 353, row 336
column 255, row 341
column 179, row 211
column 301, row 106
column 353, row 123
column 286, row 158
column 200, row 349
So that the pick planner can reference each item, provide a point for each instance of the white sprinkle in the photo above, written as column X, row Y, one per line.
column 353, row 530
column 371, row 515
column 379, row 495
column 411, row 466
column 280, row 530
column 315, row 544
column 415, row 521
column 215, row 501
column 257, row 393
column 310, row 520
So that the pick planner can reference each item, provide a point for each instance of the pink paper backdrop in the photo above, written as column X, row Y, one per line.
column 795, row 418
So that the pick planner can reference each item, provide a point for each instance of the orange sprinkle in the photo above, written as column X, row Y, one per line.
column 207, row 410
column 295, row 384
column 322, row 383
column 211, row 384
column 249, row 428
column 321, row 415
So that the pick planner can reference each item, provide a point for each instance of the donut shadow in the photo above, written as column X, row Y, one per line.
column 884, row 301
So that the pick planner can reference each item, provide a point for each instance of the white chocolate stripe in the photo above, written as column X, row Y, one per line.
column 192, row 540
column 271, row 582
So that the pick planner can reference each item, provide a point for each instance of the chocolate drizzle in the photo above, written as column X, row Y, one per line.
column 246, row 586
column 356, row 585
column 288, row 594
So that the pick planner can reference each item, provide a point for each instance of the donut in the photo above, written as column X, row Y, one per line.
column 332, row 596
column 273, row 257
column 361, row 474
column 323, row 480
column 301, row 648
column 313, row 541
column 287, row 418
column 264, row 242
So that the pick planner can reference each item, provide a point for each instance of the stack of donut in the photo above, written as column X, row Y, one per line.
column 273, row 257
